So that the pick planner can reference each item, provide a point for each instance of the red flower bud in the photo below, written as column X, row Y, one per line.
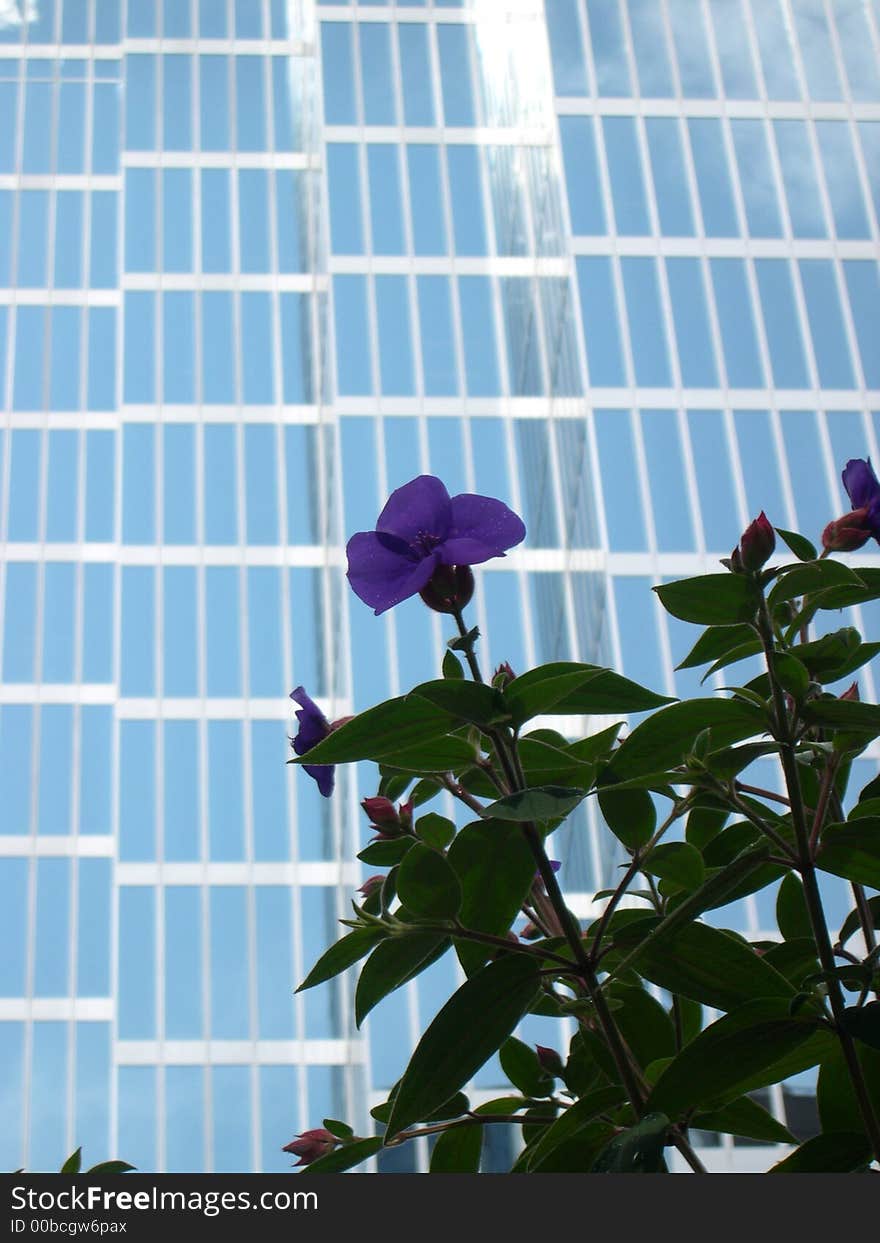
column 450, row 589
column 381, row 811
column 371, row 884
column 851, row 693
column 405, row 812
column 757, row 544
column 848, row 533
column 531, row 932
column 550, row 1060
column 311, row 1145
column 503, row 676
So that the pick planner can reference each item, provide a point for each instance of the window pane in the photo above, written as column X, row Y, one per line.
column 260, row 445
column 386, row 212
column 826, row 323
column 756, row 178
column 395, row 349
column 609, row 50
column 582, row 175
column 713, row 178
column 650, row 354
column 670, row 181
column 566, row 47
column 438, row 349
column 214, row 102
column 842, row 180
column 426, row 199
column 731, row 40
column 690, row 312
column 478, row 333
column 216, row 256
column 859, row 58
column 777, row 57
column 817, row 49
column 738, row 334
column 672, row 518
column 415, row 69
column 692, row 49
column 864, row 297
column 786, row 348
column 221, row 523
column 601, row 329
column 649, row 41
column 222, row 644
column 712, row 466
column 137, row 807
column 625, row 168
column 377, row 76
column 623, row 510
column 467, row 202
column 353, row 371
column 180, row 626
column 177, row 197
column 346, row 228
column 264, row 631
column 338, row 72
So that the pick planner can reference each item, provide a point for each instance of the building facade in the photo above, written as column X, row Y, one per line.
column 262, row 261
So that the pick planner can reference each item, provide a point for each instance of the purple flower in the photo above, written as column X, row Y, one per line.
column 313, row 728
column 420, row 529
column 863, row 490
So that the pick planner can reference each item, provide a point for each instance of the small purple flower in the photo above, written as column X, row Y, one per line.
column 420, row 529
column 313, row 728
column 863, row 490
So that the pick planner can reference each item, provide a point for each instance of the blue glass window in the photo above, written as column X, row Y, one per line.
column 639, row 651
column 670, row 181
column 467, row 201
column 140, row 344
column 756, row 178
column 52, row 928
column 33, row 233
column 523, row 346
column 338, row 70
column 478, row 333
column 738, row 335
column 377, row 75
column 30, row 344
column 386, row 211
column 826, row 323
column 696, row 355
column 270, row 780
column 713, row 178
column 799, row 178
column 787, row 359
column 760, row 468
column 183, row 963
column 566, row 47
column 178, row 478
column 68, row 240
column 296, row 349
column 842, row 180
column 264, row 631
column 229, row 964
column 96, row 766
column 257, row 371
column 62, row 488
column 609, row 49
column 218, row 355
column 232, row 1132
column 692, row 50
column 23, row 519
column 222, row 639
column 176, row 109
column 140, row 103
column 137, row 948
column 415, row 70
column 253, row 219
column 103, row 274
column 70, row 156
column 712, row 456
column 180, row 625
column 13, row 925
column 625, row 168
column 438, row 347
column 181, row 802
column 177, row 241
column 647, row 334
column 777, row 55
column 137, row 1114
column 346, row 228
column 454, row 44
column 216, row 254
column 582, row 175
column 98, row 642
column 106, row 98
column 58, row 621
column 214, row 103
column 275, row 967
column 667, row 481
column 221, row 520
column 853, row 30
column 101, row 392
column 817, row 50
column 16, row 748
column 395, row 348
column 864, row 297
column 623, row 509
column 353, row 369
column 138, row 594
column 803, row 454
column 138, row 483
column 649, row 42
column 250, row 103
column 601, row 328
column 731, row 40
column 426, row 199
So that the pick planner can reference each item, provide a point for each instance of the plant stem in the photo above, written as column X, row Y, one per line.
column 468, row 649
column 812, row 894
column 458, row 791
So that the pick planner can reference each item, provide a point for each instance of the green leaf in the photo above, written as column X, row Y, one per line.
column 541, row 804
column 450, row 753
column 373, row 734
column 792, row 915
column 852, row 851
column 795, row 959
column 566, row 688
column 711, row 599
column 392, row 964
column 792, row 675
column 342, row 955
column 747, row 1118
column 838, row 1107
column 799, row 544
column 452, row 667
column 472, row 1025
column 664, row 739
column 434, row 830
column 496, row 868
column 73, row 1164
column 868, row 588
column 340, row 1129
column 852, row 924
column 427, row 885
column 520, row 1063
column 643, row 1022
column 835, row 655
column 812, row 577
column 345, row 1157
column 844, row 714
column 630, row 815
column 458, row 1150
column 386, row 853
column 638, row 1150
column 863, row 1022
column 502, row 1105
column 551, row 765
column 678, row 862
column 716, row 642
column 111, row 1167
column 573, row 1120
column 477, row 703
column 836, row 1152
column 703, row 963
column 751, row 1047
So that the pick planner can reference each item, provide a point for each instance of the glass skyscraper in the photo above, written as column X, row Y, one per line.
column 262, row 261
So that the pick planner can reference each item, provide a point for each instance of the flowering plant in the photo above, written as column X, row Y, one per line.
column 678, row 1021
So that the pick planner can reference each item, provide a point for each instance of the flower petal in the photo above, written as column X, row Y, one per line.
column 313, row 725
column 383, row 571
column 860, row 482
column 466, row 551
column 482, row 528
column 324, row 774
column 420, row 507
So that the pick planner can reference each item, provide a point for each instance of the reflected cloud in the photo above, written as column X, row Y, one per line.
column 16, row 13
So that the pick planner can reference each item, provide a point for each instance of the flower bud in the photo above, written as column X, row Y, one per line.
column 531, row 932
column 550, row 1060
column 851, row 693
column 757, row 544
column 450, row 589
column 381, row 812
column 311, row 1145
column 371, row 884
column 503, row 676
column 405, row 812
column 848, row 533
